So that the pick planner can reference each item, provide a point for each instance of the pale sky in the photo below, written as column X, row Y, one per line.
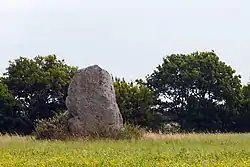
column 128, row 38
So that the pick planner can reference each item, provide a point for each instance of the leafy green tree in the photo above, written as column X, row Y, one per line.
column 39, row 85
column 198, row 91
column 7, row 103
column 244, row 117
column 11, row 121
column 135, row 102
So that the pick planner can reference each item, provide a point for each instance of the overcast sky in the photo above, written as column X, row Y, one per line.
column 129, row 38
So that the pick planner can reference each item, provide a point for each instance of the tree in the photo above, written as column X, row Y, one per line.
column 135, row 102
column 39, row 85
column 243, row 119
column 10, row 120
column 7, row 103
column 198, row 91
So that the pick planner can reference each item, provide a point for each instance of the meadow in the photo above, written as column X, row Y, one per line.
column 153, row 150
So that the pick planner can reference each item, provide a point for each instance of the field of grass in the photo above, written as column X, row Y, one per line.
column 154, row 151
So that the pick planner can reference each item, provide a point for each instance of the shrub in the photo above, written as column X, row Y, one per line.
column 56, row 128
column 52, row 128
column 131, row 131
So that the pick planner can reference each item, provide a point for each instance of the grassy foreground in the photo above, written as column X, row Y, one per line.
column 155, row 150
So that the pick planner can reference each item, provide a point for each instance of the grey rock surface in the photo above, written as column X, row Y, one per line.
column 91, row 102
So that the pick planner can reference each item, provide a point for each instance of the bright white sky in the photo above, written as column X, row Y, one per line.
column 129, row 38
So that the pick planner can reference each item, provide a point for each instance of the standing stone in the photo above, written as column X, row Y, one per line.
column 91, row 102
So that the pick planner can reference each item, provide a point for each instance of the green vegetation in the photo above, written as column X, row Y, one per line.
column 194, row 92
column 40, row 88
column 201, row 92
column 183, row 150
column 135, row 101
column 56, row 129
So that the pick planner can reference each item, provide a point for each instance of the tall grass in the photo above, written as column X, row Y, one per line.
column 153, row 150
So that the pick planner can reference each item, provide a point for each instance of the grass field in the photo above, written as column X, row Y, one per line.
column 154, row 150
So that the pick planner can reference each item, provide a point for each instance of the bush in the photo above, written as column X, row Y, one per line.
column 52, row 128
column 56, row 128
column 131, row 132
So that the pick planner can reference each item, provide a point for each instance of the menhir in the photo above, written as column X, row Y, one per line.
column 91, row 102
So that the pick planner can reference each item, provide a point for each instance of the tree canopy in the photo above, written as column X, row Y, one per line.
column 39, row 85
column 198, row 90
column 135, row 102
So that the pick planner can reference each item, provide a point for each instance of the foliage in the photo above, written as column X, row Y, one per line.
column 131, row 132
column 52, row 128
column 11, row 121
column 198, row 91
column 39, row 85
column 213, row 150
column 56, row 128
column 135, row 102
column 243, row 123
